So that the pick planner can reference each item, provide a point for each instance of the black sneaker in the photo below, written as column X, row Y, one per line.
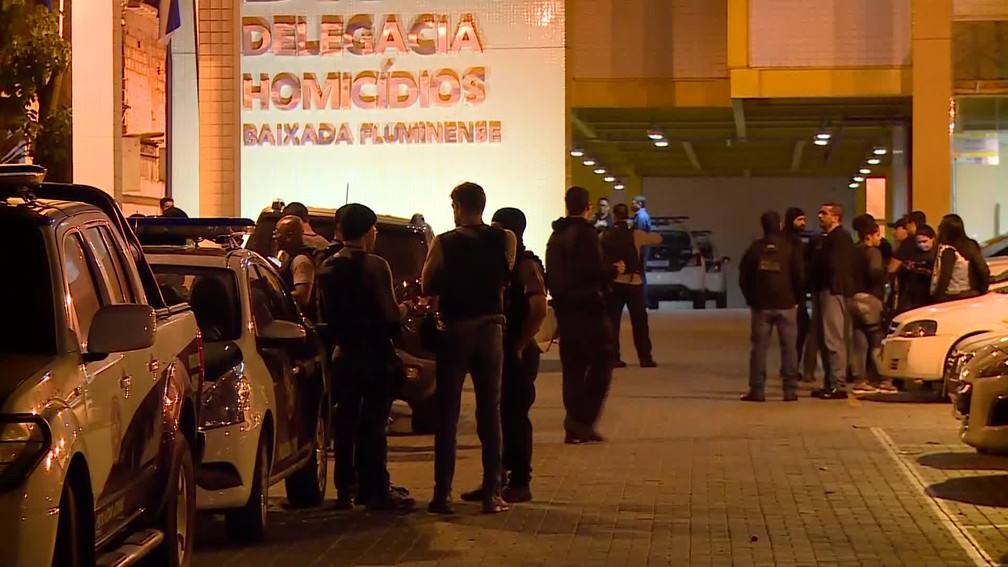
column 473, row 495
column 648, row 364
column 790, row 396
column 494, row 505
column 441, row 506
column 390, row 501
column 344, row 502
column 834, row 394
column 517, row 493
column 619, row 364
column 753, row 397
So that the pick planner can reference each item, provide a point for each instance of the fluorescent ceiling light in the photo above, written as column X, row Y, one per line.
column 858, row 178
column 854, row 185
column 823, row 136
column 874, row 161
column 589, row 162
column 609, row 179
column 820, row 142
column 880, row 151
column 655, row 134
column 661, row 143
column 619, row 186
column 864, row 171
column 599, row 170
column 577, row 153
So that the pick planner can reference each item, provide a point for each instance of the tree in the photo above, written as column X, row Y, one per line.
column 33, row 62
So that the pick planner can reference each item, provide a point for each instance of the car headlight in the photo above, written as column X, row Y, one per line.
column 917, row 329
column 227, row 400
column 993, row 365
column 24, row 440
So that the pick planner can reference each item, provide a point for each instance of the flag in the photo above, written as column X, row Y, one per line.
column 169, row 18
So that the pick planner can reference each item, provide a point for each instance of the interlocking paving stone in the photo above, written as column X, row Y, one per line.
column 689, row 476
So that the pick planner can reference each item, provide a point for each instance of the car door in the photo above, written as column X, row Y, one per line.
column 85, row 295
column 267, row 306
column 305, row 388
column 140, row 393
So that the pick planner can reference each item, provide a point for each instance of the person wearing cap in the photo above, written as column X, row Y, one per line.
column 794, row 229
column 363, row 320
column 525, row 311
column 310, row 237
column 468, row 270
column 899, row 228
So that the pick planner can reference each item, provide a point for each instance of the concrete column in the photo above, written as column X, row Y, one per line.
column 184, row 127
column 96, row 67
column 932, row 92
column 220, row 109
column 898, row 191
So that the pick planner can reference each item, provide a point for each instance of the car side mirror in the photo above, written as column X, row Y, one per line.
column 279, row 331
column 120, row 328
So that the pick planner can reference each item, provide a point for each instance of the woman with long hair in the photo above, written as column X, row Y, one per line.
column 960, row 270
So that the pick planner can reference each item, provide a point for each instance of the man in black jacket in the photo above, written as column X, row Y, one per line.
column 579, row 279
column 832, row 285
column 771, row 276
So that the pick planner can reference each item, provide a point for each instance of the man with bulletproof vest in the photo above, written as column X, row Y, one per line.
column 525, row 311
column 363, row 320
column 468, row 269
column 579, row 279
column 298, row 266
column 771, row 277
column 624, row 244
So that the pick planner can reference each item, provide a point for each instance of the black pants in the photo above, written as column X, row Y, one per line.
column 363, row 403
column 804, row 324
column 586, row 357
column 518, row 393
column 475, row 348
column 632, row 297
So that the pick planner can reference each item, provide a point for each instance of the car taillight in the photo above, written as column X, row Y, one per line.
column 716, row 267
column 696, row 260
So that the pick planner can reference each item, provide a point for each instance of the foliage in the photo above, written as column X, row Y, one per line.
column 33, row 59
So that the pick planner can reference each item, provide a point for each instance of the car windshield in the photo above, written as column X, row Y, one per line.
column 29, row 285
column 212, row 293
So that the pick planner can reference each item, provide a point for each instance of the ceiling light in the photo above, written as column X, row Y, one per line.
column 661, row 143
column 854, row 185
column 655, row 134
column 880, row 151
column 589, row 162
column 619, row 186
column 599, row 170
column 874, row 161
column 864, row 171
column 823, row 136
column 577, row 153
column 858, row 178
column 821, row 142
column 609, row 179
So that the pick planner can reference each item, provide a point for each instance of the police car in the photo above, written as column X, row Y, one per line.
column 715, row 265
column 675, row 270
column 265, row 401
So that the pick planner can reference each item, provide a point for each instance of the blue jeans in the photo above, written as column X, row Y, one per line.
column 476, row 348
column 764, row 321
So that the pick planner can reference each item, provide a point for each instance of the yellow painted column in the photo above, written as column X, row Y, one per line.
column 931, row 186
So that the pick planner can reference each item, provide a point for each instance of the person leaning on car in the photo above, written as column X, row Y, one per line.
column 363, row 318
column 865, row 306
column 298, row 267
column 771, row 277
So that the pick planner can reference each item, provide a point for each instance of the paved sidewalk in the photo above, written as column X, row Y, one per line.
column 689, row 476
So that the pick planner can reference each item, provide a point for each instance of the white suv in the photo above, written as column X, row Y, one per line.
column 675, row 270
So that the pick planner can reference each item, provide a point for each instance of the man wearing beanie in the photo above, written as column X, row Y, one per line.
column 468, row 270
column 770, row 275
column 794, row 227
column 525, row 309
column 363, row 320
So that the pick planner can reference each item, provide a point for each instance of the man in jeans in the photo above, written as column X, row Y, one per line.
column 771, row 277
column 869, row 275
column 832, row 285
column 579, row 278
column 468, row 269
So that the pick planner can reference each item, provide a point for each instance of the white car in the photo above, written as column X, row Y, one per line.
column 715, row 264
column 675, row 270
column 265, row 402
column 980, row 398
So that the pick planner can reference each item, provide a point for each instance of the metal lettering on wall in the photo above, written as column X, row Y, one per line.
column 385, row 88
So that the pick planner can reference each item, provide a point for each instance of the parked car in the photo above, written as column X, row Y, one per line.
column 980, row 398
column 675, row 270
column 921, row 342
column 996, row 247
column 265, row 402
column 714, row 264
column 404, row 246
column 98, row 394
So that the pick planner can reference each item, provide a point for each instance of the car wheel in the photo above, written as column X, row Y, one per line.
column 248, row 523
column 74, row 547
column 424, row 419
column 307, row 487
column 178, row 521
column 699, row 301
column 722, row 301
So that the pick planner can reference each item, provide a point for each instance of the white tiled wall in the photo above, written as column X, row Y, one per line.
column 829, row 33
column 219, row 106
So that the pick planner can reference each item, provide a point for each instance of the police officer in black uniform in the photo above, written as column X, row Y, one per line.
column 298, row 267
column 363, row 319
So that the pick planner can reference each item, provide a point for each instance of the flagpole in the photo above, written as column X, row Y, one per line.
column 169, row 79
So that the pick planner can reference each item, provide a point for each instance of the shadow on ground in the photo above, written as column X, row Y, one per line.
column 988, row 490
column 964, row 461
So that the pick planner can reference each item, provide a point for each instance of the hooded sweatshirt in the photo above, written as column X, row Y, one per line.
column 576, row 274
column 771, row 273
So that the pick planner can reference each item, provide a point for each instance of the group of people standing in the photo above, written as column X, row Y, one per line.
column 490, row 294
column 855, row 288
